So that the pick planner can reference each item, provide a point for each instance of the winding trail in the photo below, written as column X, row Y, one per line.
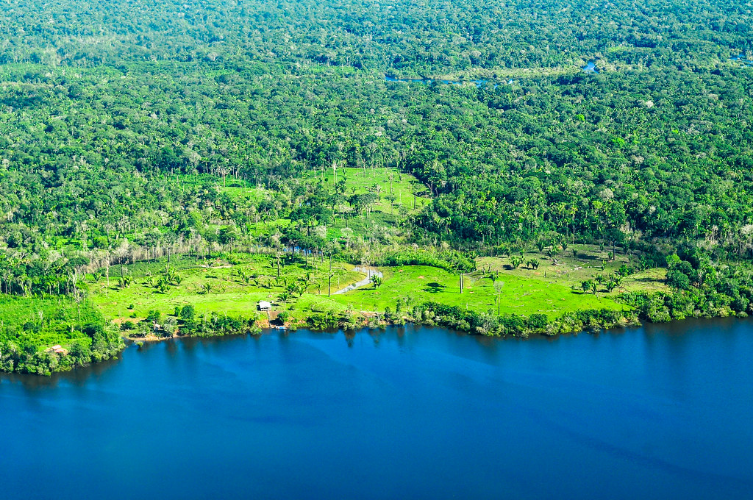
column 364, row 282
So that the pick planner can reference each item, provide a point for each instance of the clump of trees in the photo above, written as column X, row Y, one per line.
column 449, row 260
column 185, row 322
column 491, row 324
column 700, row 288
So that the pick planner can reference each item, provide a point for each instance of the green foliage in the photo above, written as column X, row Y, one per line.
column 448, row 260
column 31, row 327
column 325, row 321
column 283, row 316
column 154, row 316
column 187, row 313
column 516, row 325
column 198, row 133
column 700, row 291
column 376, row 280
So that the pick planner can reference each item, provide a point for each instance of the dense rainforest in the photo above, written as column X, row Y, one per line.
column 131, row 130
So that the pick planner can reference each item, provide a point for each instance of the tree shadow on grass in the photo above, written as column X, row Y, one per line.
column 648, row 280
column 434, row 287
column 585, row 256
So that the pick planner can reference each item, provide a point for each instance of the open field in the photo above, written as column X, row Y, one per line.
column 520, row 295
column 571, row 270
column 235, row 284
column 386, row 182
column 217, row 288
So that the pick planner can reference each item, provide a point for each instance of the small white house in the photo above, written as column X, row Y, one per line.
column 264, row 305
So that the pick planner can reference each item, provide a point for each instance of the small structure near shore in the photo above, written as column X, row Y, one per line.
column 263, row 305
column 57, row 349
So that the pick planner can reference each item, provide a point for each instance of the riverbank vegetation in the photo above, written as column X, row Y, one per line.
column 164, row 169
column 43, row 335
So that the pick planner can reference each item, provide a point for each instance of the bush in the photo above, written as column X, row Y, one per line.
column 538, row 322
column 283, row 316
column 187, row 313
column 449, row 260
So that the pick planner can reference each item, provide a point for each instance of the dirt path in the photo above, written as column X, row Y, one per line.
column 364, row 282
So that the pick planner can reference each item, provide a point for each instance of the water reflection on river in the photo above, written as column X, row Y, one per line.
column 655, row 412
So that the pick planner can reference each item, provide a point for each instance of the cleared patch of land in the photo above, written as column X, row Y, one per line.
column 518, row 295
column 587, row 263
column 235, row 288
column 216, row 286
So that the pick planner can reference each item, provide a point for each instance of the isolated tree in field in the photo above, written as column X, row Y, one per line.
column 376, row 280
column 187, row 313
column 498, row 287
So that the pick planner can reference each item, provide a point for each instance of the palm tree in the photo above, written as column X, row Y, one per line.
column 377, row 280
column 498, row 287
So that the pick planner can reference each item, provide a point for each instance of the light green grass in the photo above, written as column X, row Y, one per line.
column 520, row 295
column 229, row 293
column 547, row 290
column 390, row 182
column 571, row 271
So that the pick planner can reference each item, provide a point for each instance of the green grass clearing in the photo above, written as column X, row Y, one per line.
column 571, row 270
column 386, row 182
column 520, row 295
column 218, row 286
column 228, row 292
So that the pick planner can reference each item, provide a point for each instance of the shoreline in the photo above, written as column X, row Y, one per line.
column 365, row 328
column 441, row 316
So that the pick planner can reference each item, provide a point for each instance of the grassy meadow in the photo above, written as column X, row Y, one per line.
column 234, row 285
column 519, row 295
column 216, row 285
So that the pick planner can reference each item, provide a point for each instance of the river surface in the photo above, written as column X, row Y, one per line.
column 651, row 413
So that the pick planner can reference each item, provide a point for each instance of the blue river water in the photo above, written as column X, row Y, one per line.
column 590, row 67
column 655, row 412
